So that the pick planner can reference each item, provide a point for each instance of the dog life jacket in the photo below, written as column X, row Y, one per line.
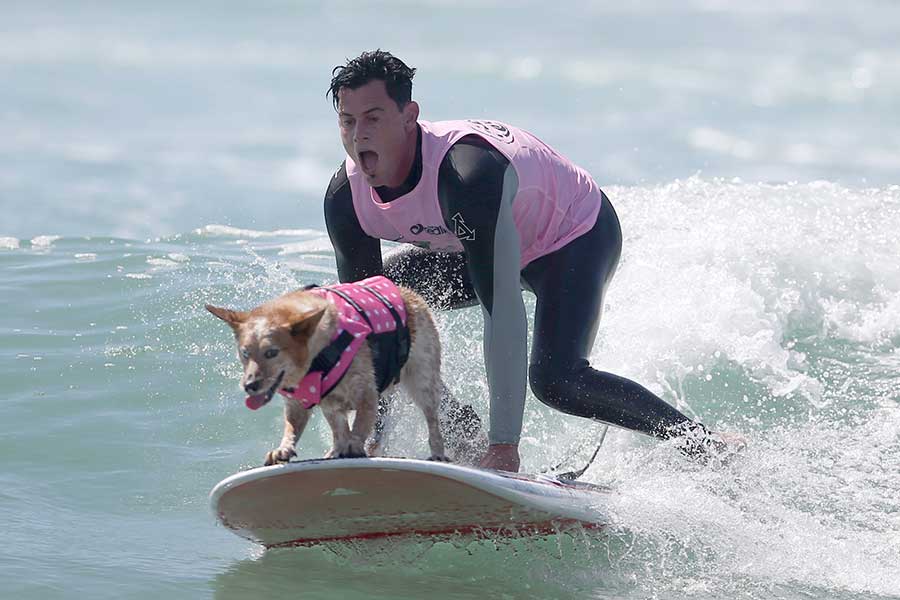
column 370, row 310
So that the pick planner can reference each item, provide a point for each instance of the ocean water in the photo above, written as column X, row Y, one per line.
column 158, row 156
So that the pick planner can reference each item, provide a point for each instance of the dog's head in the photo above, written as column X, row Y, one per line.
column 274, row 342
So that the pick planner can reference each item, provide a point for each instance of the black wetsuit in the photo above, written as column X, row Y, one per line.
column 569, row 284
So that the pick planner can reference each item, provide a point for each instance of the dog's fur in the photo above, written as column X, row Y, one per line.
column 300, row 324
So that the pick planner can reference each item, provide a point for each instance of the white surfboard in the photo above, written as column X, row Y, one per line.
column 314, row 501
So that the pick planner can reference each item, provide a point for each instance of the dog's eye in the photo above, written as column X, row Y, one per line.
column 271, row 353
column 245, row 353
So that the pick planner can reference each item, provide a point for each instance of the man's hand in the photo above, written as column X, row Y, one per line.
column 501, row 457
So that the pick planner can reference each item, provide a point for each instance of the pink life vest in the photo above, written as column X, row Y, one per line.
column 353, row 327
column 556, row 200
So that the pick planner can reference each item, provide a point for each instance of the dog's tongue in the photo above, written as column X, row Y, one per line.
column 254, row 402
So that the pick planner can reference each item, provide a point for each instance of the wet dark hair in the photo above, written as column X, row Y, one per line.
column 368, row 66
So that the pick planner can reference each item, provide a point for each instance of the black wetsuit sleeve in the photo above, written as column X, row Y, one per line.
column 358, row 255
column 476, row 187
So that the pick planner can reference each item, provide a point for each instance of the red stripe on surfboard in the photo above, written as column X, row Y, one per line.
column 547, row 528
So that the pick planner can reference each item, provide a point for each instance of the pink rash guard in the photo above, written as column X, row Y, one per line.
column 556, row 201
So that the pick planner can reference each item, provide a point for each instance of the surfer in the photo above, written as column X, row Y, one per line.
column 488, row 209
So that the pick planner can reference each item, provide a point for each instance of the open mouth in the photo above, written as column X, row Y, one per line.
column 368, row 160
column 260, row 400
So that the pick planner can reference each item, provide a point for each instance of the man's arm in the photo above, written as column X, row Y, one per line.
column 476, row 186
column 358, row 255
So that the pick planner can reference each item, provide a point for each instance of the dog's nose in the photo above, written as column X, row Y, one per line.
column 251, row 386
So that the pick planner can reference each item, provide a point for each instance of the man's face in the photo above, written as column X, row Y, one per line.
column 377, row 135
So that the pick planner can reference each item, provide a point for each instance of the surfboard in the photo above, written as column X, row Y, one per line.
column 315, row 501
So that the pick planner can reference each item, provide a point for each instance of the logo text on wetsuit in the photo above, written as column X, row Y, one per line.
column 429, row 229
column 493, row 129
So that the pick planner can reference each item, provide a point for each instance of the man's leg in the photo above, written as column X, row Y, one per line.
column 570, row 285
column 442, row 279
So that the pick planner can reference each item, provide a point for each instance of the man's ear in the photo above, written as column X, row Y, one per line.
column 305, row 323
column 410, row 114
column 232, row 317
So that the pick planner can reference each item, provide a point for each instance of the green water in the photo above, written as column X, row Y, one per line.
column 121, row 411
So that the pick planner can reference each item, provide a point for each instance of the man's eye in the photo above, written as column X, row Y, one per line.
column 245, row 353
column 271, row 353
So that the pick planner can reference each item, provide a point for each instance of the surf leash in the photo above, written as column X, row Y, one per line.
column 573, row 475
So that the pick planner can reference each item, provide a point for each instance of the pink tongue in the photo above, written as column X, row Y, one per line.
column 254, row 402
column 369, row 161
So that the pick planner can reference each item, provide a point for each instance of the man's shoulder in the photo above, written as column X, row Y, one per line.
column 472, row 156
column 473, row 140
column 339, row 198
column 339, row 179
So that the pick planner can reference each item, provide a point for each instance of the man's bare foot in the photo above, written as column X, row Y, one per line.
column 501, row 457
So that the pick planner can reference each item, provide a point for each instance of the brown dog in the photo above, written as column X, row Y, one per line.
column 284, row 344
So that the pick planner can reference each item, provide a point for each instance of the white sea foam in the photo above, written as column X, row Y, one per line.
column 714, row 267
column 227, row 231
column 319, row 244
column 44, row 241
column 157, row 263
column 802, row 507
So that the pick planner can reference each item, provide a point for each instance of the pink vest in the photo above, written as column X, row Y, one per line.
column 313, row 386
column 556, row 201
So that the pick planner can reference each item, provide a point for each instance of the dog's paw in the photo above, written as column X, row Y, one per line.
column 353, row 454
column 372, row 447
column 348, row 450
column 279, row 455
column 439, row 458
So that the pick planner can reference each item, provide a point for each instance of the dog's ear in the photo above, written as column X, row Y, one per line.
column 232, row 317
column 304, row 324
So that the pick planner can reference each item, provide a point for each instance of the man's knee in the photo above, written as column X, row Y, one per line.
column 548, row 385
column 559, row 386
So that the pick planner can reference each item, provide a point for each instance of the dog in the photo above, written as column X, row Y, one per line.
column 340, row 347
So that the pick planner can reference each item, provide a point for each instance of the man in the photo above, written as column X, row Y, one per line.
column 490, row 209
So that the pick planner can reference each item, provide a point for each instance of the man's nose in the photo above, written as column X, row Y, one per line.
column 360, row 134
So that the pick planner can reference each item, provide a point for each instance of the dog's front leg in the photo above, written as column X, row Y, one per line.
column 366, row 415
column 345, row 444
column 295, row 419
